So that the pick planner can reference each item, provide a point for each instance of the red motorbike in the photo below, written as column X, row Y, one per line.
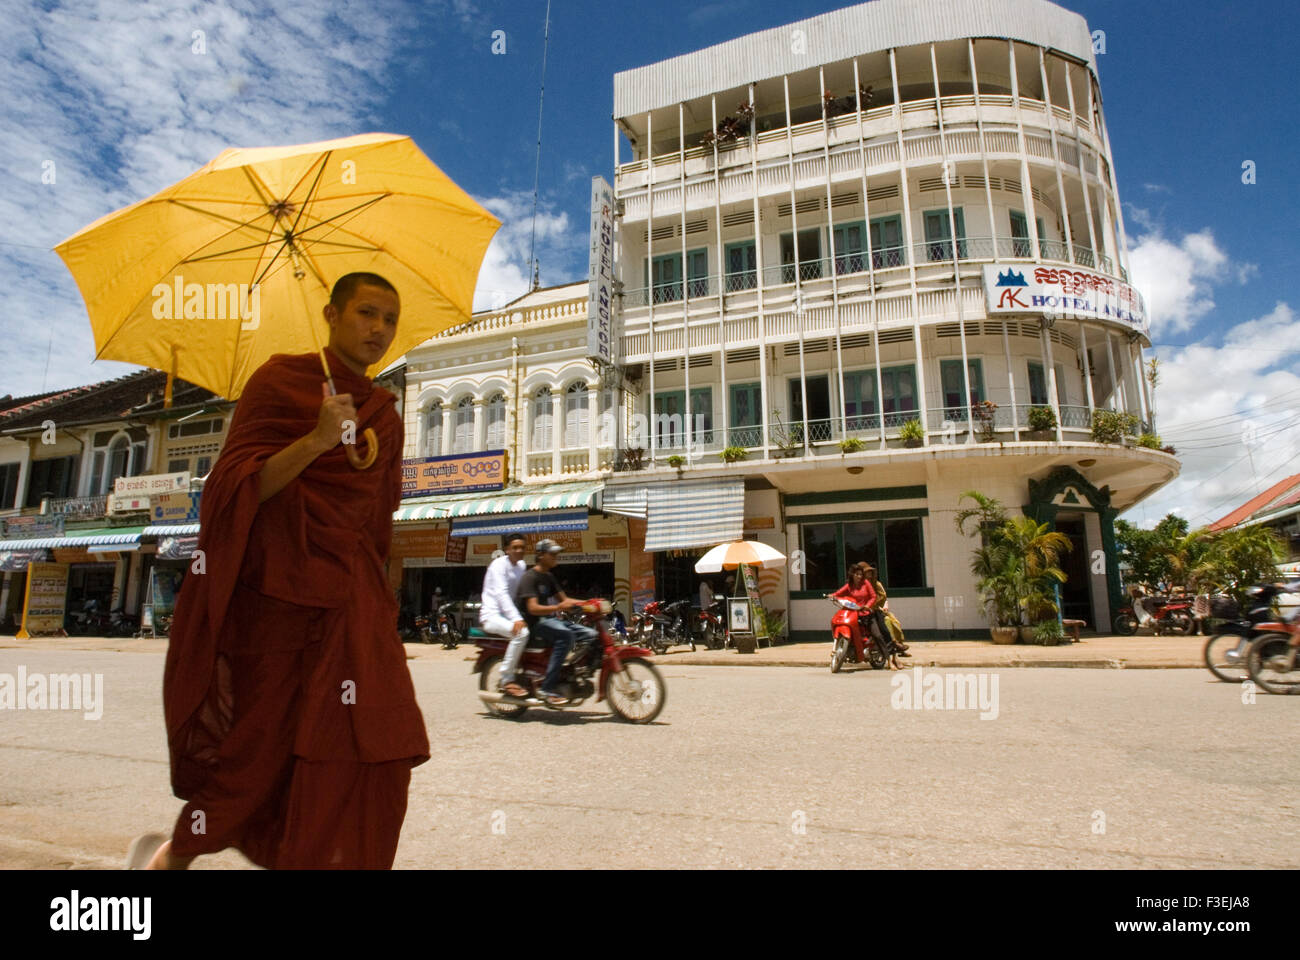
column 616, row 672
column 1160, row 614
column 867, row 648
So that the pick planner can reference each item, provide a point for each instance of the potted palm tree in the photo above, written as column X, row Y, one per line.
column 912, row 433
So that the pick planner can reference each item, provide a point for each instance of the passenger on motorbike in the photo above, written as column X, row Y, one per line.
column 886, row 622
column 498, row 613
column 860, row 591
column 540, row 597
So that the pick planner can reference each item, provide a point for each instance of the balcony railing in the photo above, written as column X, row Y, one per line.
column 85, row 507
column 848, row 264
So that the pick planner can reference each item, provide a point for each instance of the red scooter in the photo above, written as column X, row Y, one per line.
column 631, row 684
column 1160, row 614
column 865, row 650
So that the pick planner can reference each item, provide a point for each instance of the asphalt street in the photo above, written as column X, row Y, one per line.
column 774, row 767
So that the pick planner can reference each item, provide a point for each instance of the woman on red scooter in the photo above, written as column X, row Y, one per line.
column 860, row 591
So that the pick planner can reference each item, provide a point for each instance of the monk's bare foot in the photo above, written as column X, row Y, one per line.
column 163, row 859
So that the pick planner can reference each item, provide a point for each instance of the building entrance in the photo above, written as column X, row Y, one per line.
column 1076, row 592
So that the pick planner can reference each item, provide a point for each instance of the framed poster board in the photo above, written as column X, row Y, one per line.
column 738, row 616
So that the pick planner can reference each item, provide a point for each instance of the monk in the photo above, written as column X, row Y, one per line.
column 291, row 716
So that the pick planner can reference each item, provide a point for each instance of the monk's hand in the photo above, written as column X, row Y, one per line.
column 335, row 411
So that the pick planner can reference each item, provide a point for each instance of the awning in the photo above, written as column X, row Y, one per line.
column 81, row 538
column 625, row 501
column 680, row 515
column 543, row 521
column 172, row 530
column 114, row 548
column 519, row 500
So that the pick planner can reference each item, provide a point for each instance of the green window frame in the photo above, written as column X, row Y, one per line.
column 672, row 403
column 950, row 383
column 667, row 273
column 850, row 242
column 1038, row 392
column 1021, row 241
column 939, row 234
column 742, row 265
column 888, row 248
column 810, row 255
column 860, row 401
column 745, row 414
column 885, row 539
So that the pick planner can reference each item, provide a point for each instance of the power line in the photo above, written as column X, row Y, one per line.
column 1237, row 494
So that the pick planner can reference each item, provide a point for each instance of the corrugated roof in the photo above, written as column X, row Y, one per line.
column 843, row 34
column 1281, row 493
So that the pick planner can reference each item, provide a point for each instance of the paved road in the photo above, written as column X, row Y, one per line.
column 780, row 767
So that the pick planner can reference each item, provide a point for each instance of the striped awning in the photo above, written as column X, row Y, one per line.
column 543, row 521
column 680, row 515
column 624, row 501
column 520, row 500
column 172, row 530
column 81, row 538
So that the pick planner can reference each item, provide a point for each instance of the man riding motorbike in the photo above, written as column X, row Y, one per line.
column 498, row 613
column 540, row 597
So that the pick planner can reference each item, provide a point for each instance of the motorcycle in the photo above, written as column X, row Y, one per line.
column 1158, row 613
column 1273, row 660
column 617, row 673
column 663, row 625
column 448, row 629
column 712, row 630
column 1226, row 650
column 873, row 650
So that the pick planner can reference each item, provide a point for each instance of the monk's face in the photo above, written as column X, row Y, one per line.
column 363, row 330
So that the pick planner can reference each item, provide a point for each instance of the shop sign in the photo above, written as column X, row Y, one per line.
column 456, row 549
column 175, row 507
column 760, row 523
column 43, row 608
column 462, row 473
column 127, row 502
column 600, row 274
column 420, row 542
column 153, row 484
column 611, row 543
column 82, row 555
column 29, row 528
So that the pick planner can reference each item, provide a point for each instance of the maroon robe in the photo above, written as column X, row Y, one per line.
column 291, row 716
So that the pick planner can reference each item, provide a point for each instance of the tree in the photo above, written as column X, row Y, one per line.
column 1239, row 558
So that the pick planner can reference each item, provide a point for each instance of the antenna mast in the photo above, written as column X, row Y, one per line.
column 532, row 242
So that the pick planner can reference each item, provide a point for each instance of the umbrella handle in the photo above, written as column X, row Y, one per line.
column 372, row 451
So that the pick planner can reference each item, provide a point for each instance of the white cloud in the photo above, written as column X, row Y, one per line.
column 114, row 95
column 1177, row 278
column 506, row 274
column 1212, row 401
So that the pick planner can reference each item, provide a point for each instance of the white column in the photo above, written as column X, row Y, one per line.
column 1135, row 351
column 834, row 267
column 1116, row 401
column 1087, row 369
column 984, row 157
column 649, row 277
column 1011, row 382
column 593, row 418
column 911, row 250
column 1026, row 185
column 559, row 417
column 1056, row 157
column 798, row 310
column 1049, row 367
column 1083, row 174
column 956, row 252
column 762, row 279
column 720, row 256
column 1122, row 258
column 446, row 428
column 523, row 434
column 480, row 425
column 871, row 259
column 686, row 285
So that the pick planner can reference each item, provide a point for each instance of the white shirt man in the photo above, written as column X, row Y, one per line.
column 499, row 613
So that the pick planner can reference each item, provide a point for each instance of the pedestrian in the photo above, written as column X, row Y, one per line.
column 291, row 717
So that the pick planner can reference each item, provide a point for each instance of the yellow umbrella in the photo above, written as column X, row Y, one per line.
column 210, row 277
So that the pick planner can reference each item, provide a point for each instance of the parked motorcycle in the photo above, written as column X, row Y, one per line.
column 712, row 629
column 663, row 625
column 447, row 627
column 615, row 672
column 842, row 648
column 1161, row 614
column 1273, row 660
column 1232, row 632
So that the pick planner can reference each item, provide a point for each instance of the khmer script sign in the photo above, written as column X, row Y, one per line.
column 1063, row 292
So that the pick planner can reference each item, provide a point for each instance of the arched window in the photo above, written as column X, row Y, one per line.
column 543, row 420
column 463, row 428
column 433, row 430
column 496, row 422
column 576, row 425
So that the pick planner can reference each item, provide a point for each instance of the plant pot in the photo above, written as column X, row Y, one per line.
column 1026, row 634
column 1038, row 436
column 911, row 444
column 1003, row 635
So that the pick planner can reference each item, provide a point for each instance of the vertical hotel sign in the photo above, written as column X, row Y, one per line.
column 600, row 286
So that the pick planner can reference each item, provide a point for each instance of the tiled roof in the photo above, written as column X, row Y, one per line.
column 1281, row 493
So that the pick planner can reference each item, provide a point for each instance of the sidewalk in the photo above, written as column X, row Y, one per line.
column 1140, row 652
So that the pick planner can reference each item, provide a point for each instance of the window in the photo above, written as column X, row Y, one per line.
column 463, row 427
column 810, row 254
column 697, row 272
column 821, row 550
column 177, row 466
column 860, row 399
column 939, row 236
column 496, row 423
column 433, row 430
column 887, row 248
column 1038, row 393
column 898, row 394
column 951, row 379
column 850, row 246
column 203, row 467
column 818, row 390
column 576, row 424
column 9, row 485
column 543, row 421
column 1021, row 242
column 670, row 419
column 701, row 425
column 667, row 275
column 55, row 478
column 892, row 545
column 745, row 418
column 742, row 266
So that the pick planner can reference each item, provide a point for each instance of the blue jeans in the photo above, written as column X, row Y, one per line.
column 561, row 635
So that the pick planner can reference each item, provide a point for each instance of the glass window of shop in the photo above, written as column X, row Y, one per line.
column 893, row 545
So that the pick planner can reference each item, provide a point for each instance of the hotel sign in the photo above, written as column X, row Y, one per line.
column 455, row 474
column 1062, row 292
column 600, row 276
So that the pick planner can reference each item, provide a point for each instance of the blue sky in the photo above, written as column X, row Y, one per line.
column 111, row 92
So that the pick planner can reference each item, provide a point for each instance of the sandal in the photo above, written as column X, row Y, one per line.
column 514, row 690
column 143, row 849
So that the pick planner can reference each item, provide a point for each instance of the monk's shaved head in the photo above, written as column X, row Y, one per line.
column 347, row 286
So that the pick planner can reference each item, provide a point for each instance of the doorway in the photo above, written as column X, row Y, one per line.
column 1076, row 592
